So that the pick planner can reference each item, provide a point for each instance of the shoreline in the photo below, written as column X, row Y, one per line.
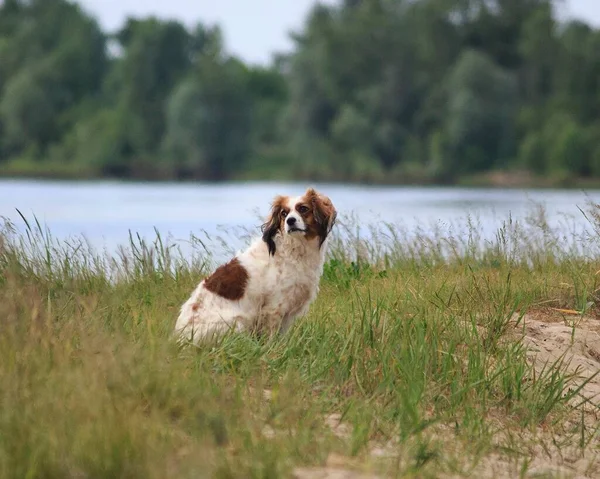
column 495, row 180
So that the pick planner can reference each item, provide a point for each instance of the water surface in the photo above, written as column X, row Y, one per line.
column 106, row 212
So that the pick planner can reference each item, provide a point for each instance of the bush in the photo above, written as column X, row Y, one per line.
column 532, row 154
column 566, row 146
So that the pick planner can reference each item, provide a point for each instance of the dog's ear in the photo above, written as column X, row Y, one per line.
column 273, row 224
column 324, row 213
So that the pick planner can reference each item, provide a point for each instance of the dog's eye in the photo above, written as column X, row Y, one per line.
column 284, row 213
column 303, row 209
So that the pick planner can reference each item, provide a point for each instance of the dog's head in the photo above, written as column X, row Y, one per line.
column 309, row 216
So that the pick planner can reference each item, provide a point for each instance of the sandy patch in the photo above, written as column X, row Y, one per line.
column 336, row 467
column 552, row 337
column 555, row 337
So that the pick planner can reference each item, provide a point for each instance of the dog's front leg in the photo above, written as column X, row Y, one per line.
column 286, row 323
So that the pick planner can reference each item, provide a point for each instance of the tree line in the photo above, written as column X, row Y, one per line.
column 373, row 91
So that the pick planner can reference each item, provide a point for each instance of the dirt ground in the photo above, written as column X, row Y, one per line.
column 551, row 336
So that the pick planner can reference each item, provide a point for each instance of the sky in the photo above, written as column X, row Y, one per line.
column 253, row 29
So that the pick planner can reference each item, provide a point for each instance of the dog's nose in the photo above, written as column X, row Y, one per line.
column 291, row 221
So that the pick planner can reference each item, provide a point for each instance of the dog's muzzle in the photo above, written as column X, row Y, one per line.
column 293, row 226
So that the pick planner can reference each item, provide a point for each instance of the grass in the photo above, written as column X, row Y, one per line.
column 411, row 344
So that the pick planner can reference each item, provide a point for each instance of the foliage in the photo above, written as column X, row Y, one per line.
column 480, row 116
column 209, row 121
column 373, row 90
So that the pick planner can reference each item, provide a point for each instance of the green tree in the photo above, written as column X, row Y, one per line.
column 565, row 145
column 481, row 114
column 538, row 48
column 156, row 56
column 52, row 58
column 360, row 55
column 209, row 120
column 577, row 71
column 29, row 108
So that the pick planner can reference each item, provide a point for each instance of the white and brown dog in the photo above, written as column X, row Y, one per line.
column 265, row 288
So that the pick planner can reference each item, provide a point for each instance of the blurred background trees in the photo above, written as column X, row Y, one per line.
column 374, row 91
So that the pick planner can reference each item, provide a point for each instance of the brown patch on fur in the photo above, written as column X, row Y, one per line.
column 195, row 307
column 321, row 216
column 275, row 222
column 228, row 281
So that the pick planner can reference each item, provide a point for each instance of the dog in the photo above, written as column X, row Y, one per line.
column 265, row 288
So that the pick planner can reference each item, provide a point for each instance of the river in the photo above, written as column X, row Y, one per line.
column 105, row 212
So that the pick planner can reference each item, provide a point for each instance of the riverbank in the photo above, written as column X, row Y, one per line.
column 494, row 179
column 421, row 357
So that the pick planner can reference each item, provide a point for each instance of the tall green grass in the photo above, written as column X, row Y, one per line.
column 413, row 343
